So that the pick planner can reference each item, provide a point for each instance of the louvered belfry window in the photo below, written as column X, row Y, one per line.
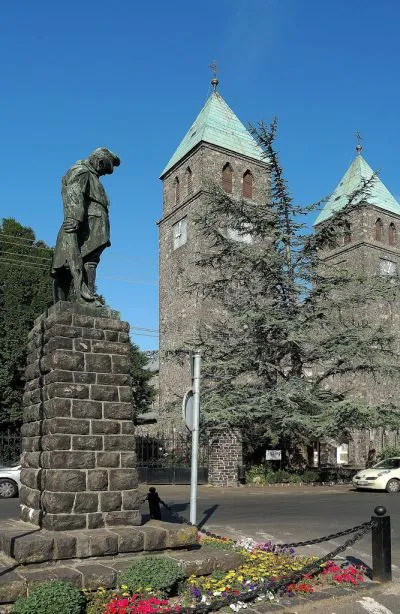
column 392, row 234
column 189, row 184
column 378, row 229
column 227, row 178
column 247, row 185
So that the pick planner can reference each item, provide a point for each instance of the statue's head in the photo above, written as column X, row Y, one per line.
column 103, row 160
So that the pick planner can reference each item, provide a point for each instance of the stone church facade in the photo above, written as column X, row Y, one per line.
column 218, row 149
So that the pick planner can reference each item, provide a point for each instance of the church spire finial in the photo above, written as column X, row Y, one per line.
column 359, row 146
column 214, row 80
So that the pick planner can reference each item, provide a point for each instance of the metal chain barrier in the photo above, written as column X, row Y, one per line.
column 310, row 569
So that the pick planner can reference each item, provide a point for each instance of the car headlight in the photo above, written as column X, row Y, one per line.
column 382, row 472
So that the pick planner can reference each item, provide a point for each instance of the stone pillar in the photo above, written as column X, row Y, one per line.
column 78, row 446
column 225, row 458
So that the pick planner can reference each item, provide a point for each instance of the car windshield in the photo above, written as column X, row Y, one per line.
column 389, row 463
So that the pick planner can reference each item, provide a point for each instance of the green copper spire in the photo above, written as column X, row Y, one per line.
column 218, row 125
column 379, row 195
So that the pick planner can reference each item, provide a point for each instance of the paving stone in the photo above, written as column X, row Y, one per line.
column 38, row 576
column 12, row 586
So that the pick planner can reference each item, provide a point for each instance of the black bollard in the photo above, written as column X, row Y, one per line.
column 381, row 546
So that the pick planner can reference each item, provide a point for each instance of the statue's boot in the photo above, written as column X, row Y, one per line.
column 90, row 270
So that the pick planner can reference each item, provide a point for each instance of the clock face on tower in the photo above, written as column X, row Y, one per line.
column 387, row 267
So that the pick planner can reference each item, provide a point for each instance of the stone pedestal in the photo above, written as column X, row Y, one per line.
column 225, row 457
column 78, row 446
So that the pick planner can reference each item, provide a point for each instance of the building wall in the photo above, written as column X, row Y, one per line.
column 182, row 312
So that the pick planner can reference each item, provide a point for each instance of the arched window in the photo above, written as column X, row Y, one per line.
column 227, row 178
column 347, row 233
column 176, row 191
column 392, row 234
column 189, row 185
column 378, row 229
column 248, row 185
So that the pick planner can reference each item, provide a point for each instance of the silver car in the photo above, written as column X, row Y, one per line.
column 10, row 481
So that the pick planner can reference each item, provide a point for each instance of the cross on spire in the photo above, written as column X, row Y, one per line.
column 214, row 80
column 359, row 139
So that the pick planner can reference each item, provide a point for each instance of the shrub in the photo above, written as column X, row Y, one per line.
column 156, row 574
column 309, row 476
column 52, row 597
column 388, row 452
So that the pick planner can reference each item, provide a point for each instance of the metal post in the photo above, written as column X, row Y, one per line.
column 195, row 437
column 381, row 546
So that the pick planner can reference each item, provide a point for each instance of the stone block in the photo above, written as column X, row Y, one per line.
column 67, row 360
column 98, row 363
column 64, row 522
column 80, row 377
column 56, row 442
column 33, row 547
column 83, row 321
column 95, row 520
column 97, row 575
column 82, row 345
column 35, row 396
column 106, row 427
column 108, row 459
column 58, row 376
column 110, row 501
column 57, row 408
column 97, row 479
column 31, row 429
column 32, row 384
column 59, row 343
column 119, row 442
column 118, row 411
column 111, row 335
column 120, row 364
column 86, row 409
column 29, row 496
column 34, row 577
column 32, row 370
column 114, row 379
column 29, row 515
column 179, row 535
column 68, row 426
column 86, row 502
column 31, row 444
column 128, row 459
column 103, row 543
column 123, row 337
column 30, row 459
column 68, row 391
column 64, row 480
column 130, row 499
column 31, row 413
column 127, row 427
column 31, row 478
column 61, row 330
column 87, row 442
column 93, row 333
column 111, row 324
column 58, row 502
column 123, row 479
column 65, row 459
column 155, row 538
column 64, row 546
column 110, row 347
column 12, row 587
column 122, row 518
column 129, row 540
column 125, row 394
column 104, row 393
column 59, row 318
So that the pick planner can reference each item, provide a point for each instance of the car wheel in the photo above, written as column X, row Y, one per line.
column 8, row 489
column 393, row 486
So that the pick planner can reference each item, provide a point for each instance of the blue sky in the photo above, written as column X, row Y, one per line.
column 134, row 75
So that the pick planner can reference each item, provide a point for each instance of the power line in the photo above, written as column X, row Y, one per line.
column 144, row 335
column 25, row 255
column 31, row 266
column 149, row 330
column 31, row 241
column 27, row 247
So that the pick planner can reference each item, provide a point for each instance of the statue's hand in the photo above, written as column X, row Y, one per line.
column 70, row 225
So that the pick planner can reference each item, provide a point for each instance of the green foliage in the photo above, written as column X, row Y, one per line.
column 52, row 597
column 25, row 292
column 155, row 573
column 143, row 392
column 292, row 337
column 388, row 452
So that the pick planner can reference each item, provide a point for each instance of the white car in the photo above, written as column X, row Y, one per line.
column 10, row 482
column 385, row 475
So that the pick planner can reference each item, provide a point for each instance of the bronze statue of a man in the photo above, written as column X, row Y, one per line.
column 85, row 232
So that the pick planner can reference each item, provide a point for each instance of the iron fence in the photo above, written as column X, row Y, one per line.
column 167, row 450
column 10, row 447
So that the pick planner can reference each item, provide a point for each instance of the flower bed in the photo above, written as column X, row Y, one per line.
column 152, row 586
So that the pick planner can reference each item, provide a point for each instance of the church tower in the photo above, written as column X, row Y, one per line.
column 369, row 245
column 216, row 149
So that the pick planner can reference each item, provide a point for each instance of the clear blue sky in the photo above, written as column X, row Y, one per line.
column 133, row 75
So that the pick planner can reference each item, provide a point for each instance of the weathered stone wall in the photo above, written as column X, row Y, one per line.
column 226, row 456
column 78, row 458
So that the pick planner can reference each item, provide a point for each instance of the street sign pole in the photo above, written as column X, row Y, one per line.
column 195, row 437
